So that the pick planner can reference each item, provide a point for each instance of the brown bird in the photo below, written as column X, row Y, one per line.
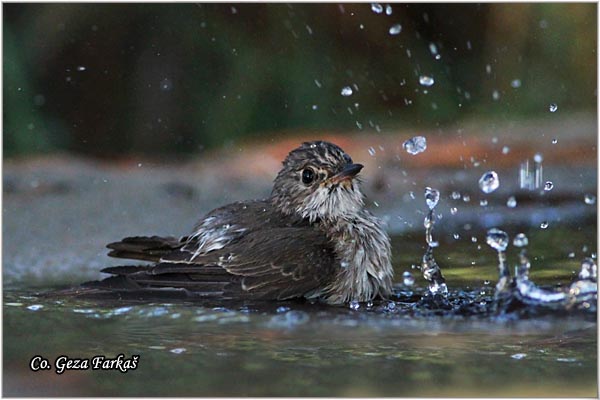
column 311, row 238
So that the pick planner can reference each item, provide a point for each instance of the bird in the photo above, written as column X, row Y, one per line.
column 312, row 238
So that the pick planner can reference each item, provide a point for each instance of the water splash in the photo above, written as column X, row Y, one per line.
column 489, row 182
column 395, row 29
column 346, row 91
column 425, row 80
column 431, row 270
column 415, row 145
column 498, row 240
column 376, row 8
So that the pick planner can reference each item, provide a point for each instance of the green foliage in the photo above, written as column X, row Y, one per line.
column 175, row 78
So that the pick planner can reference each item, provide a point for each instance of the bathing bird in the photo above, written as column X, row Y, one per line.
column 311, row 238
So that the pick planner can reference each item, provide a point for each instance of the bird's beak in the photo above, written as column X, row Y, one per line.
column 349, row 172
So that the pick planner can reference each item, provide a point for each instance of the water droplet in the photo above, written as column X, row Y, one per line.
column 282, row 309
column 589, row 199
column 466, row 198
column 346, row 91
column 497, row 239
column 178, row 350
column 538, row 158
column 488, row 69
column 544, row 224
column 426, row 80
column 408, row 279
column 314, row 106
column 35, row 307
column 415, row 145
column 354, row 305
column 486, row 282
column 453, row 210
column 511, row 202
column 489, row 182
column 505, row 150
column 166, row 85
column 81, row 68
column 376, row 8
column 371, row 151
column 519, row 356
column 395, row 29
column 571, row 255
column 318, row 83
column 553, row 107
column 344, row 264
column 548, row 186
column 456, row 236
column 455, row 195
column 483, row 203
column 515, row 83
column 473, row 239
column 433, row 48
column 589, row 270
column 554, row 141
column 432, row 196
column 496, row 95
column 388, row 10
column 520, row 240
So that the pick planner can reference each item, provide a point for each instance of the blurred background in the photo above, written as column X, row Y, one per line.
column 168, row 81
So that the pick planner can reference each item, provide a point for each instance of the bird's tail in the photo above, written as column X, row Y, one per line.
column 144, row 248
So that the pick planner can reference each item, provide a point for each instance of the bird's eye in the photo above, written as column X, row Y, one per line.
column 308, row 175
column 347, row 158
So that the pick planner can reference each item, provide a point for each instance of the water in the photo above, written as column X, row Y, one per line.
column 489, row 182
column 395, row 29
column 520, row 240
column 346, row 91
column 415, row 145
column 425, row 80
column 432, row 196
column 401, row 348
column 553, row 107
column 376, row 8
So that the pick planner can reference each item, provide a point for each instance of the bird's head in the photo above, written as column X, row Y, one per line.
column 318, row 182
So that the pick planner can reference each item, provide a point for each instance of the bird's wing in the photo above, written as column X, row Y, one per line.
column 217, row 229
column 278, row 263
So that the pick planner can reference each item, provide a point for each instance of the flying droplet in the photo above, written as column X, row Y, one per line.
column 371, row 151
column 511, row 202
column 520, row 240
column 346, row 91
column 589, row 199
column 548, row 186
column 483, row 203
column 515, row 83
column 354, row 305
column 81, row 68
column 166, row 85
column 453, row 210
column 395, row 29
column 415, row 145
column 432, row 196
column 376, row 8
column 554, row 141
column 455, row 195
column 505, row 150
column 426, row 80
column 408, row 279
column 388, row 10
column 497, row 239
column 544, row 224
column 553, row 107
column 489, row 182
